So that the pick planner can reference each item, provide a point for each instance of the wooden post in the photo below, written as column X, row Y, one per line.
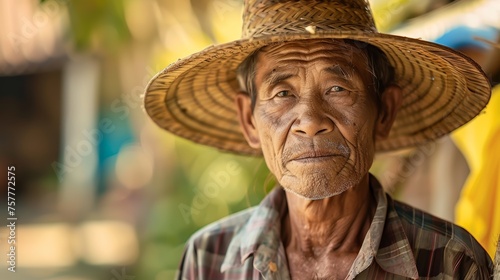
column 80, row 137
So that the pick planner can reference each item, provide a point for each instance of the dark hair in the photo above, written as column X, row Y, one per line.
column 380, row 68
column 246, row 76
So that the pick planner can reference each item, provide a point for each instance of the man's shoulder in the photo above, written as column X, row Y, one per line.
column 425, row 221
column 207, row 249
column 222, row 230
column 429, row 234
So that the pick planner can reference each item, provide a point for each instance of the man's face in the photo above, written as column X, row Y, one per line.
column 315, row 116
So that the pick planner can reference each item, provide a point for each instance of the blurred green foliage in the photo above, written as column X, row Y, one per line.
column 96, row 24
column 206, row 185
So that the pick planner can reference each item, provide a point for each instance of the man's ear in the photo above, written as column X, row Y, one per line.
column 245, row 117
column 391, row 101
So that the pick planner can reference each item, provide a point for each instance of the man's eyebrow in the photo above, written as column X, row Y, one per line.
column 274, row 77
column 337, row 70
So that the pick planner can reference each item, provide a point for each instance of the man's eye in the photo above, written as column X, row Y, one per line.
column 283, row 93
column 337, row 89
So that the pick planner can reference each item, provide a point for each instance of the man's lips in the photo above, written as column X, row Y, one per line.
column 314, row 156
column 318, row 151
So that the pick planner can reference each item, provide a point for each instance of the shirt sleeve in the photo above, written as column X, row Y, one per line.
column 481, row 272
column 188, row 268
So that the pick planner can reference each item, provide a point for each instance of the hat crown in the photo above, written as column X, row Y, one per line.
column 277, row 17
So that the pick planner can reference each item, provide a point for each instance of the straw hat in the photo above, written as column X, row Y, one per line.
column 194, row 97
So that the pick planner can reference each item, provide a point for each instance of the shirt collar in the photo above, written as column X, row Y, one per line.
column 260, row 235
column 385, row 240
column 395, row 254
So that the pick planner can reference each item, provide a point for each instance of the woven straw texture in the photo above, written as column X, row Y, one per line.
column 194, row 97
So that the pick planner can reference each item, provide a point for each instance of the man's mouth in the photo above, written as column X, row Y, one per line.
column 314, row 156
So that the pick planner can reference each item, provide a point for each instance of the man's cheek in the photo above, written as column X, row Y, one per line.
column 283, row 123
column 271, row 159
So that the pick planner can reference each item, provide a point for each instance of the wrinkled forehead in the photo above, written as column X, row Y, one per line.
column 350, row 56
column 349, row 49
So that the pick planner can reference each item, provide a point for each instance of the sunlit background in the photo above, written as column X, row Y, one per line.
column 101, row 192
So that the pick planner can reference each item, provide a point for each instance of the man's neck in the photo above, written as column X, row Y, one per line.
column 335, row 225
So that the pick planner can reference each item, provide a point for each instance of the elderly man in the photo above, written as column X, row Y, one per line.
column 316, row 90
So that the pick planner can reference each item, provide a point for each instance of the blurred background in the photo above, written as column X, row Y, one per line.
column 102, row 193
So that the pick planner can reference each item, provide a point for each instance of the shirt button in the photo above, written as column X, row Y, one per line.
column 273, row 267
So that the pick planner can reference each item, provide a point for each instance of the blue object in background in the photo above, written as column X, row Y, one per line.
column 466, row 36
column 110, row 146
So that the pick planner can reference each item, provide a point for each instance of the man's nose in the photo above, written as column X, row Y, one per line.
column 312, row 120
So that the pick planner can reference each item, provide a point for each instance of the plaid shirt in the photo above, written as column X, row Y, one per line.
column 401, row 243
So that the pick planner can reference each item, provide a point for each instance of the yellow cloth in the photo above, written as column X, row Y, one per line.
column 478, row 208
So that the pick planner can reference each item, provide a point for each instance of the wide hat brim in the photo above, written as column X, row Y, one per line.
column 443, row 89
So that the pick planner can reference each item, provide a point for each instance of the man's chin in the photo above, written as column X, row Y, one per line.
column 321, row 191
column 317, row 186
column 312, row 196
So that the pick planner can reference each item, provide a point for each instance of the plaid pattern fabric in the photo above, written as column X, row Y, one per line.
column 401, row 243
